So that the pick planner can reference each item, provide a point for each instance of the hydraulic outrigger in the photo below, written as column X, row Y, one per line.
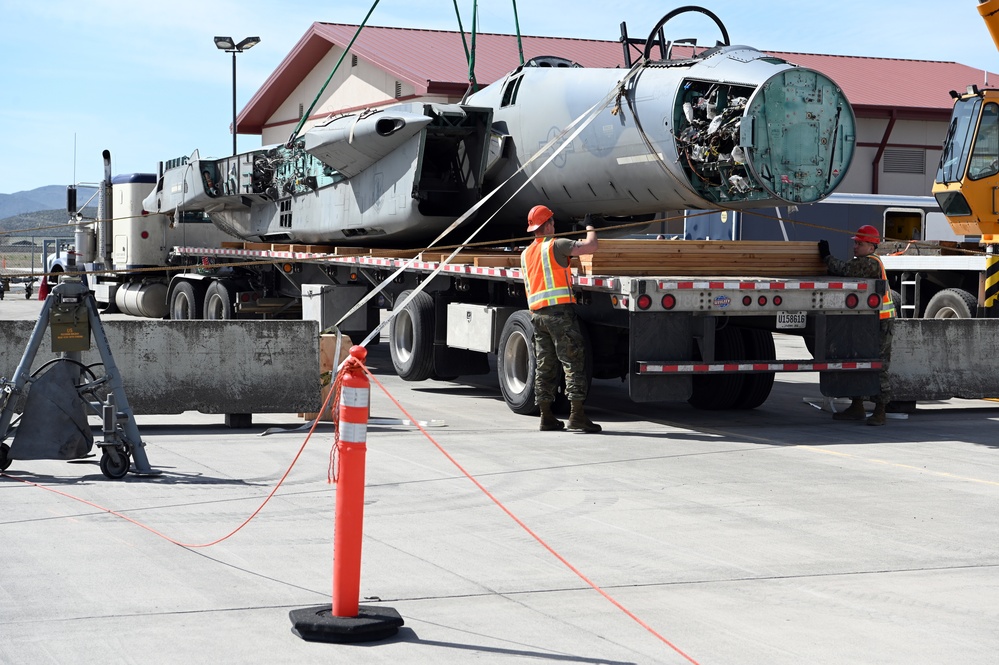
column 58, row 395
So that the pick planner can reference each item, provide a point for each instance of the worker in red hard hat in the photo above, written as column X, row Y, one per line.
column 867, row 264
column 558, row 339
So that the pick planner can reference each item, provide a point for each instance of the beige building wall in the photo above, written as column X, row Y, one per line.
column 352, row 86
column 908, row 164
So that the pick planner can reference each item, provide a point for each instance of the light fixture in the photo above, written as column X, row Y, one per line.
column 229, row 45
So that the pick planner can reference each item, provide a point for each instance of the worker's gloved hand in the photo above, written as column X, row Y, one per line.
column 823, row 249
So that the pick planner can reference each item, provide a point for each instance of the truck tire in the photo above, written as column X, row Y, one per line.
column 756, row 387
column 952, row 304
column 184, row 302
column 219, row 302
column 715, row 393
column 411, row 337
column 515, row 363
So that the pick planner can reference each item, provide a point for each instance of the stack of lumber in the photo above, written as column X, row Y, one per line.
column 693, row 258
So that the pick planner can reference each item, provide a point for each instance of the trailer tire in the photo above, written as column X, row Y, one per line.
column 184, row 303
column 5, row 459
column 219, row 302
column 716, row 393
column 515, row 363
column 757, row 387
column 411, row 338
column 952, row 304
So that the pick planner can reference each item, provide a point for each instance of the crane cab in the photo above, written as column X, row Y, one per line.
column 966, row 185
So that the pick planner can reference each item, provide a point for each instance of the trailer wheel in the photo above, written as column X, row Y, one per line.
column 951, row 304
column 515, row 363
column 4, row 456
column 756, row 388
column 411, row 338
column 716, row 393
column 219, row 302
column 184, row 302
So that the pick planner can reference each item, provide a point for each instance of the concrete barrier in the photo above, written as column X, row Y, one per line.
column 944, row 358
column 231, row 367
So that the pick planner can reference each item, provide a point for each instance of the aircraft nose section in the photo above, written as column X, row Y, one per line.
column 802, row 134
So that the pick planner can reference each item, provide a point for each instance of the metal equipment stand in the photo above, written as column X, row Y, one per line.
column 71, row 312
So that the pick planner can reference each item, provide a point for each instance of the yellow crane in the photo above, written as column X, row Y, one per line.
column 967, row 182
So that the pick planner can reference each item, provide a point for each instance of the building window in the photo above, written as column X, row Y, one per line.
column 353, row 60
column 905, row 160
column 398, row 90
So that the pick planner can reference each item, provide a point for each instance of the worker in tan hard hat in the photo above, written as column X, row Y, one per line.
column 558, row 339
column 866, row 264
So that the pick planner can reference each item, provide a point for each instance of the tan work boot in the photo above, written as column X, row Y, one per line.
column 549, row 423
column 855, row 411
column 578, row 420
column 878, row 417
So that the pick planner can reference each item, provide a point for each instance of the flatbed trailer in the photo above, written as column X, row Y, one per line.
column 704, row 339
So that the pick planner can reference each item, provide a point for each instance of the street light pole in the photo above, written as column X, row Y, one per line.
column 229, row 45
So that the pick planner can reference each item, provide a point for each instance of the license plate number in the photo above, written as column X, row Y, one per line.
column 787, row 320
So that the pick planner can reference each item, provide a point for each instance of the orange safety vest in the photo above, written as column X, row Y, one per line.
column 546, row 282
column 887, row 306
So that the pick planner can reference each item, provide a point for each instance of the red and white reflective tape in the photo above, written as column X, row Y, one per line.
column 645, row 367
column 761, row 286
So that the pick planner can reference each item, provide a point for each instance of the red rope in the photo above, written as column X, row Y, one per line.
column 163, row 535
column 526, row 528
column 335, row 396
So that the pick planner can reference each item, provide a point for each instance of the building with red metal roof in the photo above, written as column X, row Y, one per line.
column 902, row 106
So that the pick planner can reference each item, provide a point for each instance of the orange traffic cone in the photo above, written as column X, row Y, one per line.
column 43, row 289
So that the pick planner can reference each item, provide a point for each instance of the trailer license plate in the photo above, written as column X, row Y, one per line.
column 787, row 320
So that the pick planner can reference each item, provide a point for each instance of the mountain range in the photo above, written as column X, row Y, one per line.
column 39, row 209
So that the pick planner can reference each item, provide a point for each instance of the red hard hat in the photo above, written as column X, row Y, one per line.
column 868, row 233
column 537, row 217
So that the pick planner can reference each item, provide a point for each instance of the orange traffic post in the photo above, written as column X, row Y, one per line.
column 351, row 450
column 346, row 620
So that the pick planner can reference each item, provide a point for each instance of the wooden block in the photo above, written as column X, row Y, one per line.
column 350, row 251
column 704, row 258
column 510, row 260
column 328, row 362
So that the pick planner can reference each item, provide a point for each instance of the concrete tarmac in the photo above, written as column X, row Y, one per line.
column 774, row 536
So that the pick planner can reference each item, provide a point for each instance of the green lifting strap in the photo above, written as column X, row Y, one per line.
column 305, row 116
column 471, row 59
column 516, row 23
column 461, row 29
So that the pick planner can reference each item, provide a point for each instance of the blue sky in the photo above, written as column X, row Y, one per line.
column 145, row 81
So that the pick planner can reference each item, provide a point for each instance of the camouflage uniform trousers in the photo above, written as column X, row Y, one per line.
column 558, row 342
column 884, row 351
column 870, row 268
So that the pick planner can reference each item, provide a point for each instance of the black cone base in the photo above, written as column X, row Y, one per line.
column 317, row 624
